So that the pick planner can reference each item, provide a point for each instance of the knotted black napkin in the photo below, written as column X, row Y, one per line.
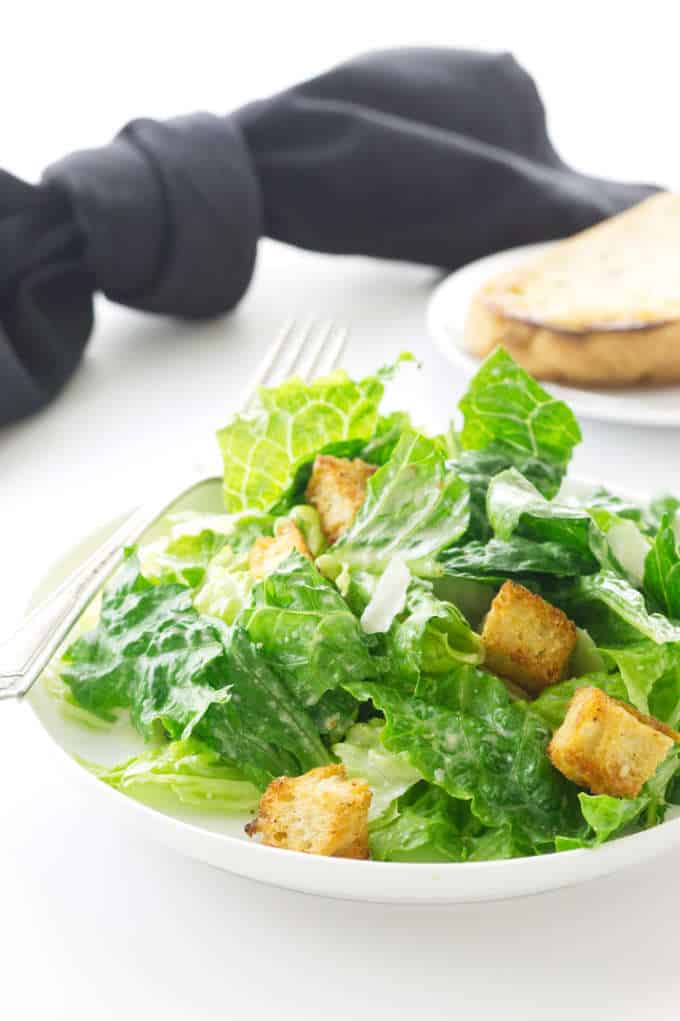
column 434, row 156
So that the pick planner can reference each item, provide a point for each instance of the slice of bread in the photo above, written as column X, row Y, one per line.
column 601, row 308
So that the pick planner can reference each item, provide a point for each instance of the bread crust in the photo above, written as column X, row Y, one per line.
column 603, row 358
column 601, row 308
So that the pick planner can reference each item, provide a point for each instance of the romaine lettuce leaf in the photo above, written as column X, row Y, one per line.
column 515, row 507
column 552, row 703
column 262, row 726
column 662, row 505
column 465, row 735
column 184, row 559
column 497, row 559
column 641, row 666
column 187, row 770
column 226, row 587
column 149, row 651
column 153, row 653
column 427, row 825
column 506, row 410
column 430, row 637
column 604, row 500
column 607, row 816
column 305, row 630
column 415, row 506
column 662, row 570
column 664, row 698
column 478, row 467
column 388, row 774
column 388, row 431
column 288, row 424
column 585, row 657
column 613, row 611
column 334, row 714
column 620, row 545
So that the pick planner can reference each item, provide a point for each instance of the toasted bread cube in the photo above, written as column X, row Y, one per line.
column 321, row 812
column 267, row 552
column 607, row 746
column 526, row 639
column 337, row 488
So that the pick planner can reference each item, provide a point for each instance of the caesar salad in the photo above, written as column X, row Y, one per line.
column 395, row 645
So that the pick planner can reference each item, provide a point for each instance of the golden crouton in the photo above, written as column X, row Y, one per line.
column 267, row 552
column 337, row 488
column 607, row 746
column 526, row 639
column 321, row 812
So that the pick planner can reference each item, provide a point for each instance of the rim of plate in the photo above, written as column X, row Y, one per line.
column 396, row 882
column 445, row 315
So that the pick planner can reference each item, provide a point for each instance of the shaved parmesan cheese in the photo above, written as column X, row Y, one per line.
column 388, row 599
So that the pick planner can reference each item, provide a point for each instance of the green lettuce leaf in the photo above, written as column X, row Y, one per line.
column 262, row 726
column 607, row 816
column 288, row 424
column 613, row 611
column 189, row 771
column 388, row 774
column 226, row 587
column 551, row 704
column 415, row 506
column 604, row 500
column 662, row 505
column 184, row 559
column 305, row 630
column 497, row 559
column 642, row 665
column 150, row 652
column 431, row 636
column 388, row 431
column 466, row 736
column 506, row 410
column 662, row 570
column 478, row 467
column 619, row 545
column 153, row 653
column 334, row 714
column 515, row 507
column 427, row 825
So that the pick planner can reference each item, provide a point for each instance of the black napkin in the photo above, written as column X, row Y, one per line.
column 434, row 156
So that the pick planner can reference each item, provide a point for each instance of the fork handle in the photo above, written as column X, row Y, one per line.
column 26, row 653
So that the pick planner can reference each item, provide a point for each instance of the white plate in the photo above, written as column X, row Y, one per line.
column 220, row 841
column 446, row 312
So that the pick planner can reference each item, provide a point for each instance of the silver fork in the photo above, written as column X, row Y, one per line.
column 310, row 350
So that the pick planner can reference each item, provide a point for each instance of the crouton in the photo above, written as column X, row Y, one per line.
column 267, row 552
column 321, row 812
column 337, row 488
column 607, row 746
column 526, row 639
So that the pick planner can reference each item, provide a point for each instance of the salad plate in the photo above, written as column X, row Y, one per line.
column 446, row 313
column 134, row 712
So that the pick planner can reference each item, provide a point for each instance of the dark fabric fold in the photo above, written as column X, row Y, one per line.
column 427, row 155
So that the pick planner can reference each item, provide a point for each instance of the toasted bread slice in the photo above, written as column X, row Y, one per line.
column 602, row 307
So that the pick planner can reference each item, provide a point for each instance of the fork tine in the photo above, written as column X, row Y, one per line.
column 309, row 356
column 333, row 351
column 267, row 366
column 311, row 350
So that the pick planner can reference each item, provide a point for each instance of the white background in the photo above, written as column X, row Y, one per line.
column 93, row 923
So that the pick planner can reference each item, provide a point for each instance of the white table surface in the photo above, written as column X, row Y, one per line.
column 95, row 924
